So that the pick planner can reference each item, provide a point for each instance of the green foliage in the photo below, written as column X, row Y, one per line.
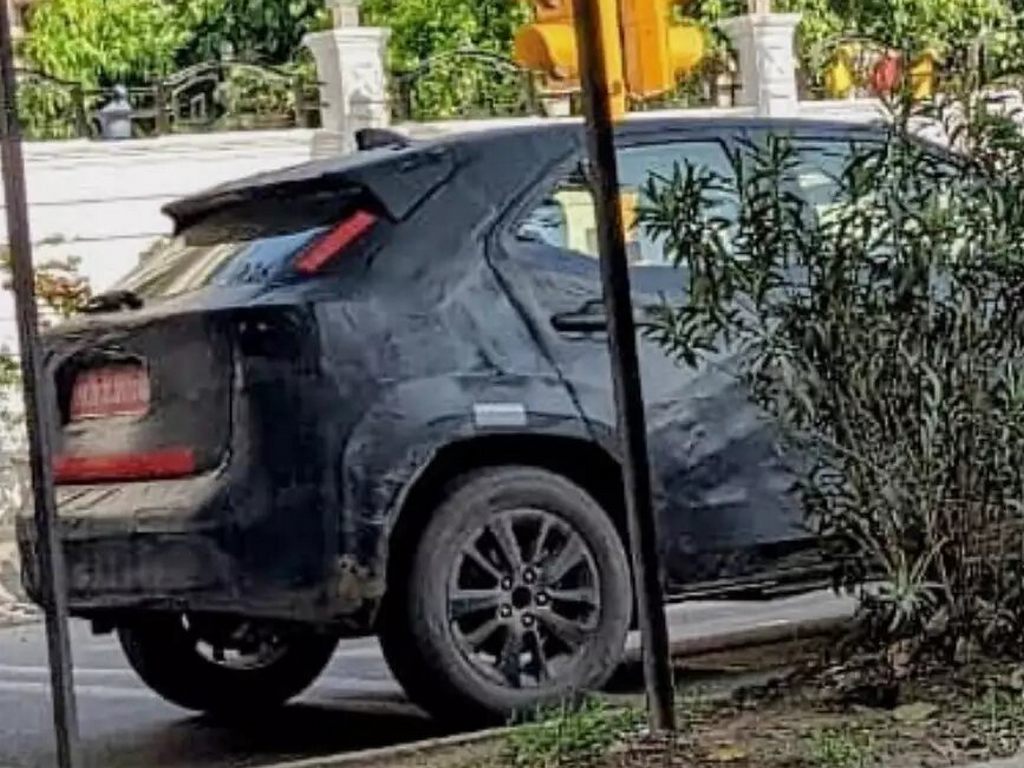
column 883, row 329
column 920, row 24
column 422, row 29
column 98, row 42
column 46, row 110
column 461, row 85
column 253, row 98
column 10, row 373
column 914, row 25
column 266, row 31
column 60, row 288
column 998, row 718
column 841, row 748
column 571, row 736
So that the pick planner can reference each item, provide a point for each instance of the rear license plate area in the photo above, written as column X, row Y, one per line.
column 110, row 391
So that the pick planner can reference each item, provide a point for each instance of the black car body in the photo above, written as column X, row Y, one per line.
column 306, row 409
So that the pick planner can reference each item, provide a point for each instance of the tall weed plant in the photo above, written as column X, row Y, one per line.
column 882, row 327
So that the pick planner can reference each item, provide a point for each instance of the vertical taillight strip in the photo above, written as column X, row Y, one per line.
column 313, row 258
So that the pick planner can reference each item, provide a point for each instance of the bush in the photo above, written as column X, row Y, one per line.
column 884, row 332
column 425, row 29
column 263, row 31
column 47, row 110
column 103, row 43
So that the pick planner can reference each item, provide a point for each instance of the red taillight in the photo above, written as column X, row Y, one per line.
column 313, row 259
column 154, row 465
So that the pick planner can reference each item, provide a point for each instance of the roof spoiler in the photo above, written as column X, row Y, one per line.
column 381, row 138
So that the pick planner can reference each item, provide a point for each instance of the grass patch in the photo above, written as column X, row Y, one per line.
column 946, row 716
column 999, row 719
column 842, row 747
column 571, row 735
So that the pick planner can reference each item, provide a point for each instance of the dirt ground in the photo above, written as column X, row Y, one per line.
column 947, row 717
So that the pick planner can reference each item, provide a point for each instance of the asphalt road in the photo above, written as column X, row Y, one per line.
column 356, row 704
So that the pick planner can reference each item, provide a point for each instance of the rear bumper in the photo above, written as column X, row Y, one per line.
column 183, row 545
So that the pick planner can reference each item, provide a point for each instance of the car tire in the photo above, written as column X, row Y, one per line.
column 166, row 651
column 473, row 636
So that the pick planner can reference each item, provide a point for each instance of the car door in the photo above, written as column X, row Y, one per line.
column 719, row 486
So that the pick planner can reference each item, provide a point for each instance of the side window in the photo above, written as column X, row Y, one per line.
column 567, row 219
column 822, row 164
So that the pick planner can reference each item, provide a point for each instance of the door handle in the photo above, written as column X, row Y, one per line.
column 580, row 322
column 589, row 318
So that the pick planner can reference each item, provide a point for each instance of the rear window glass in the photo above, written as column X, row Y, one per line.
column 254, row 243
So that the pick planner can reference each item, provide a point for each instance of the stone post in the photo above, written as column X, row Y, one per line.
column 351, row 68
column 16, row 13
column 764, row 43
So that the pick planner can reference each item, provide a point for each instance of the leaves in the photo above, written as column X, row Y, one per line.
column 422, row 29
column 103, row 42
column 881, row 323
column 265, row 31
column 425, row 31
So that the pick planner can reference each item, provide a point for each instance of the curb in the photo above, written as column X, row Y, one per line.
column 371, row 756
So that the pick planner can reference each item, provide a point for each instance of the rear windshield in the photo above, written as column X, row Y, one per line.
column 252, row 243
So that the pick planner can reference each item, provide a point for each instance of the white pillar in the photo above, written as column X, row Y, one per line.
column 764, row 43
column 16, row 13
column 351, row 67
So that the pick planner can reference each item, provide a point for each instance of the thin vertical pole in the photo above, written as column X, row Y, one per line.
column 36, row 408
column 625, row 366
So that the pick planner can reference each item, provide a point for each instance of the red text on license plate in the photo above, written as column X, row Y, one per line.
column 116, row 390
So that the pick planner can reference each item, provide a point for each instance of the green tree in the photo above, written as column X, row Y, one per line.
column 100, row 42
column 922, row 24
column 425, row 28
column 268, row 31
column 916, row 25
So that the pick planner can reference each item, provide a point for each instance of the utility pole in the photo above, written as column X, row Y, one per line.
column 598, row 98
column 37, row 408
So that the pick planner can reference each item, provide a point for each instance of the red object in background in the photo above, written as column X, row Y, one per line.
column 886, row 74
column 154, row 465
column 113, row 390
column 313, row 259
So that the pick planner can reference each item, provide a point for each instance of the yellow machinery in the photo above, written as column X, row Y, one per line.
column 647, row 46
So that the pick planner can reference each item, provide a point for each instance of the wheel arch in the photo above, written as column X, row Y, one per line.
column 584, row 462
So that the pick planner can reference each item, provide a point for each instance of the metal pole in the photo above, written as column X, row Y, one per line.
column 625, row 366
column 37, row 405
